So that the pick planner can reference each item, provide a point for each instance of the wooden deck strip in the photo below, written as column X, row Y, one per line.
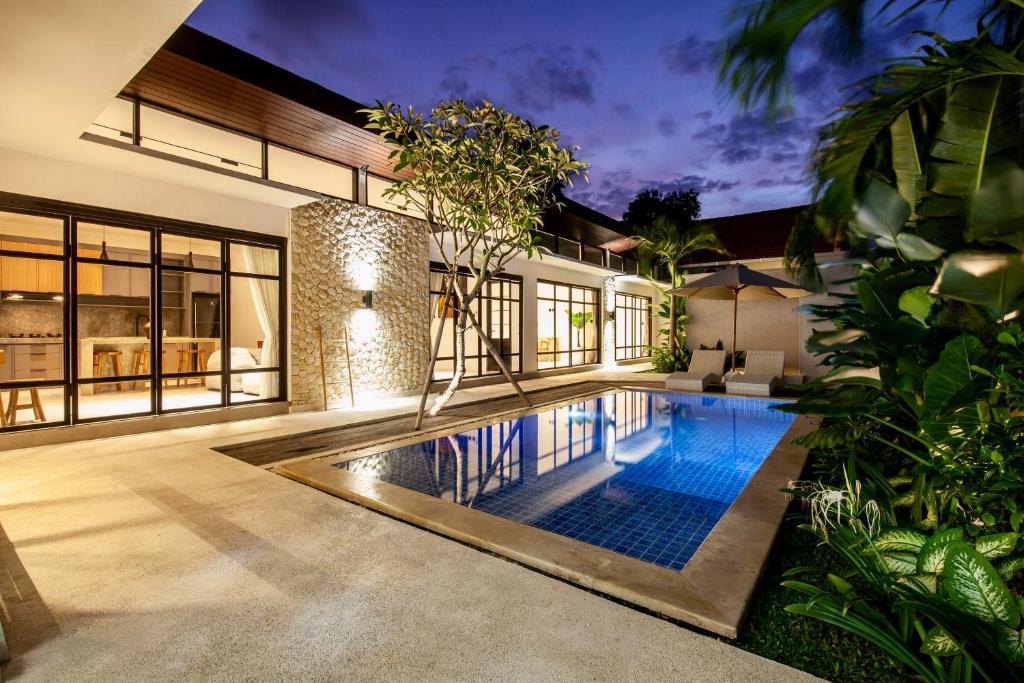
column 265, row 452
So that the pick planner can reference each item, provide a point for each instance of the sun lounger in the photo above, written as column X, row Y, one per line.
column 762, row 372
column 706, row 366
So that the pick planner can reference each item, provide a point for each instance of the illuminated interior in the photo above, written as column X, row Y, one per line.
column 77, row 338
column 568, row 320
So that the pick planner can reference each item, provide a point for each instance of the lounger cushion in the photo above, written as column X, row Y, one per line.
column 758, row 385
column 690, row 381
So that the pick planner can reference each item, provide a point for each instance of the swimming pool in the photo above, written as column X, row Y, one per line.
column 644, row 474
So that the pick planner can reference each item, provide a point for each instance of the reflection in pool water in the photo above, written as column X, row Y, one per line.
column 646, row 474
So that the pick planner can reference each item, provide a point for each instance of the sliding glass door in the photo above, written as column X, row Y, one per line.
column 106, row 315
column 568, row 325
column 632, row 326
column 498, row 309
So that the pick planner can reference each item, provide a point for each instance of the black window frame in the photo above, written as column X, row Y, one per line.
column 598, row 323
column 482, row 357
column 625, row 310
column 72, row 214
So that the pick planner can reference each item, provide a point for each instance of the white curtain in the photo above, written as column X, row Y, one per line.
column 265, row 301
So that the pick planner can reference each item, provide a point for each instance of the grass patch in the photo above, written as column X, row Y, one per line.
column 803, row 643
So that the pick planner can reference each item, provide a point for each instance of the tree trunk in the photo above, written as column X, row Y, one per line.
column 433, row 354
column 672, row 312
column 497, row 357
column 460, row 365
column 672, row 324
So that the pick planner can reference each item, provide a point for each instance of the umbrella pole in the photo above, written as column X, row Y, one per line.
column 735, row 296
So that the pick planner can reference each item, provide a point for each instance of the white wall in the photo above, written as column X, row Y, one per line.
column 771, row 324
column 39, row 176
column 559, row 270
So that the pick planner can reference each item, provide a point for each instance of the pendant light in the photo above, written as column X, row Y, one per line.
column 190, row 262
column 103, row 247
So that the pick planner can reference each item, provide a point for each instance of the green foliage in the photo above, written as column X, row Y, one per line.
column 681, row 207
column 665, row 360
column 580, row 319
column 921, row 446
column 816, row 647
column 482, row 178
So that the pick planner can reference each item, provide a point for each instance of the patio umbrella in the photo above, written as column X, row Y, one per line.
column 737, row 283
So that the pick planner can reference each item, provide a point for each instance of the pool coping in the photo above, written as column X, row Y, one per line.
column 713, row 590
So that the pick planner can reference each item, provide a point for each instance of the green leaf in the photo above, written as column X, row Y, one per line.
column 999, row 206
column 906, row 163
column 938, row 642
column 1011, row 642
column 900, row 540
column 841, row 585
column 914, row 248
column 927, row 583
column 918, row 303
column 951, row 374
column 847, row 374
column 880, row 213
column 899, row 563
column 991, row 279
column 974, row 586
column 932, row 557
column 994, row 546
column 1009, row 566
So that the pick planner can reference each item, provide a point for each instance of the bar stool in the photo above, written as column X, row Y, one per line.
column 185, row 357
column 109, row 360
column 11, row 416
column 140, row 362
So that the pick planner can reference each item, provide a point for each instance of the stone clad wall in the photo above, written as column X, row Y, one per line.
column 339, row 249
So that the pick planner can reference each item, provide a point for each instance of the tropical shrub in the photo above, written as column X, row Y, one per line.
column 664, row 359
column 917, row 462
column 934, row 601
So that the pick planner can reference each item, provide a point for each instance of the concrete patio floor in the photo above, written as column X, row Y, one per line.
column 153, row 558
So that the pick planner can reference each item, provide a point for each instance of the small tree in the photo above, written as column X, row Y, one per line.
column 664, row 226
column 482, row 177
column 682, row 207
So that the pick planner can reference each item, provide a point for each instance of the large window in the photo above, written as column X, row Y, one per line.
column 106, row 315
column 498, row 309
column 632, row 326
column 568, row 325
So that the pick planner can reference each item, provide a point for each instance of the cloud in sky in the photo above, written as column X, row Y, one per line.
column 692, row 55
column 643, row 105
column 533, row 77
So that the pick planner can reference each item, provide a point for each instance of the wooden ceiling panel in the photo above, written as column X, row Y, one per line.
column 187, row 86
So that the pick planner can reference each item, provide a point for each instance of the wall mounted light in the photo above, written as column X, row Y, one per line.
column 368, row 298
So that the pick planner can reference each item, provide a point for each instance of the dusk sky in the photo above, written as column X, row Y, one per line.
column 634, row 84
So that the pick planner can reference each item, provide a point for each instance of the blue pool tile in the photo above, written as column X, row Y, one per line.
column 644, row 474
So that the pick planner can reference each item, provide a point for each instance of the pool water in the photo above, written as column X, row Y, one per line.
column 645, row 474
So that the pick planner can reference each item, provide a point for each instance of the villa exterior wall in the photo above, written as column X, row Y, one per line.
column 39, row 176
column 338, row 250
column 770, row 325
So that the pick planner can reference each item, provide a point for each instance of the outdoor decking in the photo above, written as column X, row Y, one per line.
column 265, row 452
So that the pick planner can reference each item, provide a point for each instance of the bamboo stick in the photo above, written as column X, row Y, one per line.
column 323, row 364
column 348, row 365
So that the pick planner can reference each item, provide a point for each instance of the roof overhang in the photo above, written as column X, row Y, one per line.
column 65, row 60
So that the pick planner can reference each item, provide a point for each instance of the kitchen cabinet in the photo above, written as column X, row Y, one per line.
column 90, row 275
column 26, row 361
column 23, row 274
column 117, row 281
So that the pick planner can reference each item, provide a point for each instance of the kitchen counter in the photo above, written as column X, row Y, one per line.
column 145, row 340
column 31, row 340
column 86, row 346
